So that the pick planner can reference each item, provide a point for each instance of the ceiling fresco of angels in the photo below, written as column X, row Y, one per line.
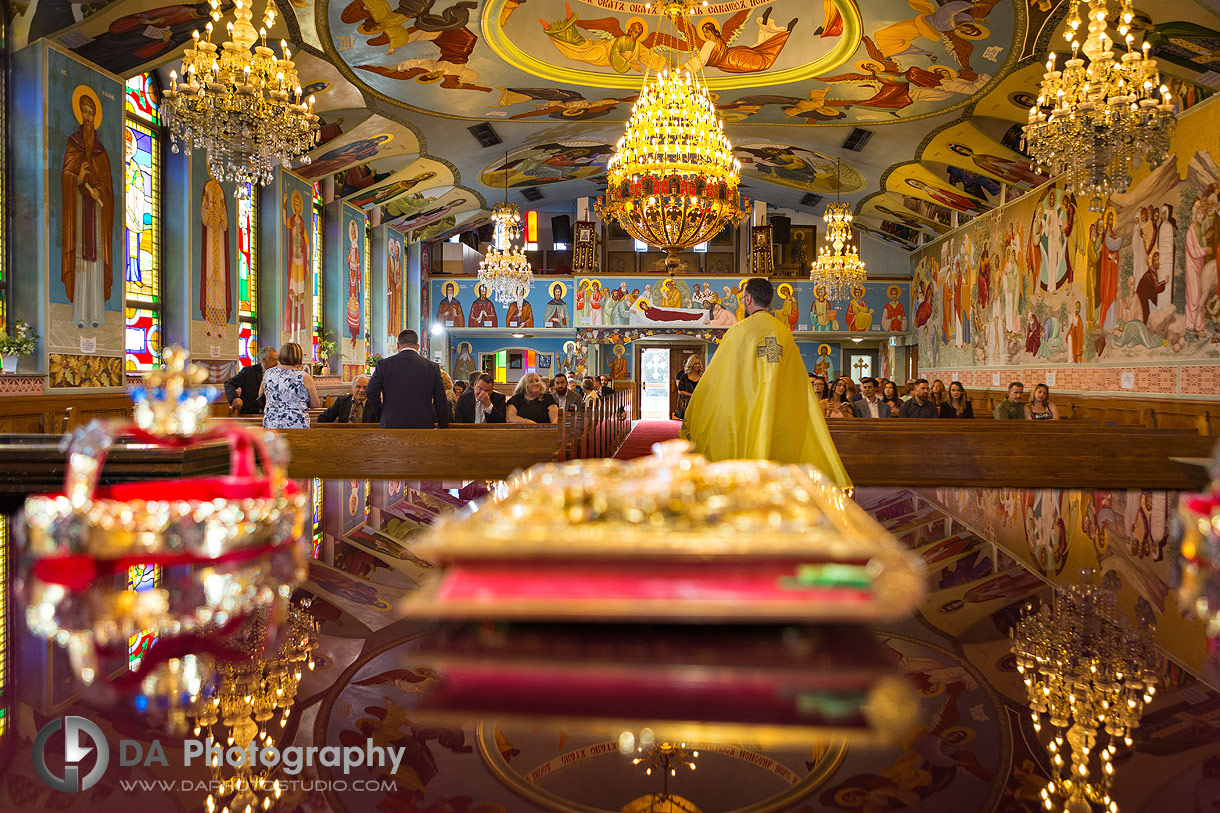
column 766, row 61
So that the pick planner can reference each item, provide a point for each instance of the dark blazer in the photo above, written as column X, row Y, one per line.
column 464, row 412
column 249, row 380
column 410, row 391
column 341, row 409
column 860, row 407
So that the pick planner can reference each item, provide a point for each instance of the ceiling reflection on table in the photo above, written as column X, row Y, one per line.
column 988, row 554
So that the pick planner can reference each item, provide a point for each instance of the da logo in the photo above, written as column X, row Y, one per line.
column 75, row 752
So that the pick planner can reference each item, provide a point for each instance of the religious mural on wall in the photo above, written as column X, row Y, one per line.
column 296, row 208
column 395, row 282
column 465, row 303
column 214, row 306
column 352, row 275
column 85, row 142
column 1044, row 280
column 678, row 302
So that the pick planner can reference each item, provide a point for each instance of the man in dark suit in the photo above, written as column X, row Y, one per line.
column 481, row 403
column 353, row 407
column 242, row 389
column 409, row 388
column 869, row 405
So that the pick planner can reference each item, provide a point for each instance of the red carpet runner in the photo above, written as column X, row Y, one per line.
column 639, row 442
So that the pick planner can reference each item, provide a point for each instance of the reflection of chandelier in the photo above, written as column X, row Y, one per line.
column 838, row 266
column 244, row 106
column 245, row 699
column 1095, row 122
column 1085, row 673
column 672, row 181
column 505, row 270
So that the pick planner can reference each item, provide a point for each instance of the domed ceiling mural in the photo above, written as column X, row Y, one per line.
column 940, row 86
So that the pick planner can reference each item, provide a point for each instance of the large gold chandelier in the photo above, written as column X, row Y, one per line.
column 1089, row 675
column 1096, row 121
column 672, row 181
column 838, row 266
column 243, row 106
column 504, row 269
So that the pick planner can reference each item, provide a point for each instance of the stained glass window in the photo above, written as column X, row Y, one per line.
column 141, row 97
column 247, row 280
column 364, row 276
column 317, row 270
column 142, row 226
column 317, row 519
column 139, row 579
column 143, row 338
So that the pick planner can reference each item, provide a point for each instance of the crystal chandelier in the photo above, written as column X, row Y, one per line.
column 838, row 266
column 242, row 105
column 1089, row 675
column 505, row 270
column 672, row 181
column 1096, row 121
column 238, row 709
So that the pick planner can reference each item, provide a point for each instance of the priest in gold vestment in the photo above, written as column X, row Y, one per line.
column 755, row 402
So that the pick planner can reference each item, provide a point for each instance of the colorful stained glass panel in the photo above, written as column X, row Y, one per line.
column 143, row 339
column 317, row 519
column 142, row 247
column 141, row 98
column 247, row 343
column 247, row 260
column 317, row 271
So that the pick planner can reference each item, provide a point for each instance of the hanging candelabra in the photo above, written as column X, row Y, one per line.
column 838, row 266
column 1088, row 674
column 240, row 102
column 1103, row 113
column 505, row 270
column 672, row 181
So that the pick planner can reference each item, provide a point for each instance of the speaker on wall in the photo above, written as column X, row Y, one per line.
column 485, row 233
column 470, row 238
column 561, row 230
column 781, row 229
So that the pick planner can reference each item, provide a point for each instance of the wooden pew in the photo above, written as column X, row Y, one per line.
column 462, row 452
column 932, row 453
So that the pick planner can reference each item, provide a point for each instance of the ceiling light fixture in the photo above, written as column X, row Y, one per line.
column 672, row 181
column 1096, row 121
column 838, row 266
column 1089, row 675
column 505, row 270
column 241, row 103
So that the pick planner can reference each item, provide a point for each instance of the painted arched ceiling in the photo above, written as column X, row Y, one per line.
column 942, row 85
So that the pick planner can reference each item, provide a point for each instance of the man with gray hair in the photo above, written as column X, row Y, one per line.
column 352, row 407
column 242, row 389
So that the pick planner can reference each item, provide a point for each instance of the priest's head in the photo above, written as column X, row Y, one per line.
column 758, row 294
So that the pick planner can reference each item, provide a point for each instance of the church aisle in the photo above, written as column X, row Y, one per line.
column 643, row 435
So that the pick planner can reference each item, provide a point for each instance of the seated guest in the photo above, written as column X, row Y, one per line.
column 531, row 403
column 242, row 389
column 352, row 407
column 839, row 404
column 1012, row 408
column 1040, row 407
column 958, row 405
column 459, row 387
column 870, row 404
column 450, row 395
column 481, row 403
column 288, row 391
column 820, row 388
column 590, row 391
column 567, row 397
column 940, row 397
column 920, row 404
column 607, row 385
column 889, row 394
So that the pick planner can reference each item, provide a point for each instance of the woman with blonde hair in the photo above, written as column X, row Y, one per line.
column 531, row 403
column 1040, row 407
column 450, row 393
column 687, row 380
column 289, row 391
